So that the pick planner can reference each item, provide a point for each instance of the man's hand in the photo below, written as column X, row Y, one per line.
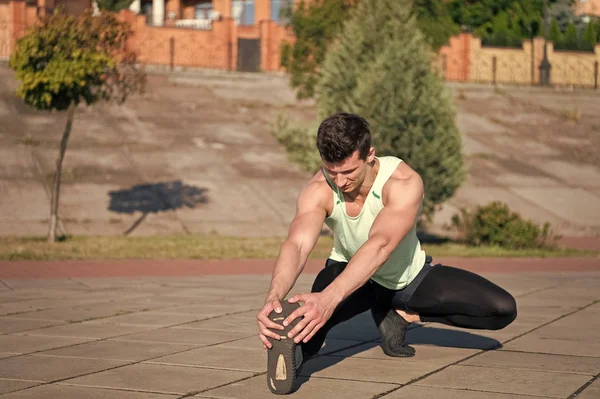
column 264, row 323
column 317, row 309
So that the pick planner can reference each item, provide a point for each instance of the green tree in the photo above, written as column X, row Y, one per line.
column 556, row 35
column 525, row 16
column 435, row 21
column 571, row 42
column 588, row 38
column 317, row 24
column 113, row 5
column 314, row 25
column 64, row 61
column 381, row 70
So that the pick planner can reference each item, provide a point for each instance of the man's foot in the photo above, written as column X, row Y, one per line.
column 392, row 327
column 285, row 357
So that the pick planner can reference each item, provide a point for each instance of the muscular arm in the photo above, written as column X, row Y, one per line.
column 302, row 237
column 402, row 200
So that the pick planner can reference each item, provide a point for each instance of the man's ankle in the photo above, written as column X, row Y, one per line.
column 410, row 317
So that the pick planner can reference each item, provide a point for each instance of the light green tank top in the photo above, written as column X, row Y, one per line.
column 350, row 233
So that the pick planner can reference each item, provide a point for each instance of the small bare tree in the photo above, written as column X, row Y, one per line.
column 64, row 61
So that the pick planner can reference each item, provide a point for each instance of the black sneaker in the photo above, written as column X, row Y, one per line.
column 285, row 357
column 392, row 328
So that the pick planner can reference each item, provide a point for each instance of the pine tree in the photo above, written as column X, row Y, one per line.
column 571, row 42
column 381, row 70
column 556, row 35
column 588, row 38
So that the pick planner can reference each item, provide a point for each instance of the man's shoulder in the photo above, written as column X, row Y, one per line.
column 317, row 189
column 403, row 173
column 404, row 181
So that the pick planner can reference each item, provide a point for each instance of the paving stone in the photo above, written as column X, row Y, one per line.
column 571, row 296
column 243, row 323
column 418, row 392
column 119, row 350
column 334, row 345
column 61, row 391
column 576, row 332
column 26, row 344
column 256, row 388
column 523, row 382
column 90, row 330
column 42, row 283
column 591, row 392
column 535, row 361
column 50, row 368
column 82, row 313
column 11, row 325
column 251, row 342
column 160, row 378
column 14, row 385
column 427, row 353
column 23, row 307
column 218, row 356
column 392, row 370
column 154, row 319
column 554, row 346
column 439, row 335
column 183, row 336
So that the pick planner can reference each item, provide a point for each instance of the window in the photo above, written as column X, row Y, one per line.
column 279, row 10
column 204, row 10
column 243, row 11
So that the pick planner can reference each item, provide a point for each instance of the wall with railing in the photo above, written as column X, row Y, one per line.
column 464, row 59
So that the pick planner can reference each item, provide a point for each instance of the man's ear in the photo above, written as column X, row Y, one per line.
column 371, row 156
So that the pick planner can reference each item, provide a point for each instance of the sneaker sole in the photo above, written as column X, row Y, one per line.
column 281, row 358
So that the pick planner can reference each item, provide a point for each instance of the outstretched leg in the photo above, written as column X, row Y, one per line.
column 356, row 303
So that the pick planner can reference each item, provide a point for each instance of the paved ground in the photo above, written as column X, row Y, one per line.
column 194, row 336
column 195, row 155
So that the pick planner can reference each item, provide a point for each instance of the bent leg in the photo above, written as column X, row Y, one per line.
column 356, row 303
column 460, row 298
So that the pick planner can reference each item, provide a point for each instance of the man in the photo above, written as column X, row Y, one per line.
column 372, row 205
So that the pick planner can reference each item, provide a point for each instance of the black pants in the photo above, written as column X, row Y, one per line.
column 439, row 293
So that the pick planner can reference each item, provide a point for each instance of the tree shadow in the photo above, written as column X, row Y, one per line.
column 155, row 198
column 416, row 335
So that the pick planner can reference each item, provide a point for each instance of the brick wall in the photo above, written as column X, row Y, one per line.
column 182, row 47
column 15, row 17
column 464, row 59
column 273, row 37
column 5, row 32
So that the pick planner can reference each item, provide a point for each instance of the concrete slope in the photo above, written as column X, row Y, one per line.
column 195, row 155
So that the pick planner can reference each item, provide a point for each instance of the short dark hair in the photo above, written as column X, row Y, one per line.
column 341, row 134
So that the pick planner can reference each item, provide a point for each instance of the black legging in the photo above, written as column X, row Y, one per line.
column 440, row 294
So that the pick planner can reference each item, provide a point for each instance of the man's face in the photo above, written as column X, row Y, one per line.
column 349, row 174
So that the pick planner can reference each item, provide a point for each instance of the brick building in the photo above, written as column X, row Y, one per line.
column 588, row 8
column 221, row 34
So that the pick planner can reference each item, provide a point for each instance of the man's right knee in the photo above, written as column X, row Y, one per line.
column 506, row 311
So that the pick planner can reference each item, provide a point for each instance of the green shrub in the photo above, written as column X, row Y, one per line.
column 300, row 143
column 496, row 224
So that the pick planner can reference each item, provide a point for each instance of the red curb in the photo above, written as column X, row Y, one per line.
column 174, row 268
